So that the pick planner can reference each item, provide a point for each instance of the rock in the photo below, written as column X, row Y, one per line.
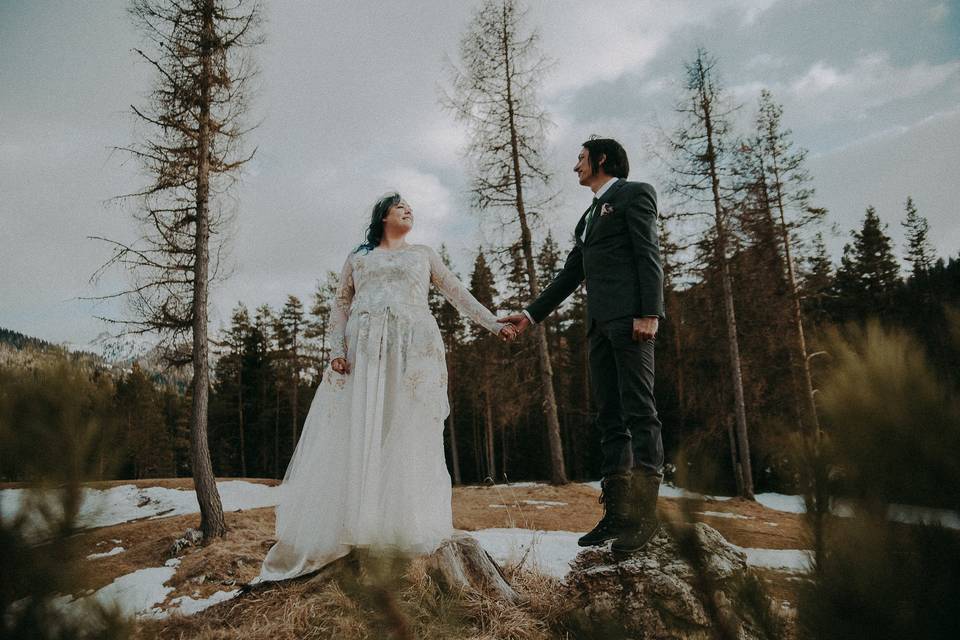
column 191, row 538
column 655, row 593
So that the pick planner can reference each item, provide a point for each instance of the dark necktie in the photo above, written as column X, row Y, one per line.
column 590, row 217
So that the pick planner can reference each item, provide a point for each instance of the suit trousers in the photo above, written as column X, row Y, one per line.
column 621, row 373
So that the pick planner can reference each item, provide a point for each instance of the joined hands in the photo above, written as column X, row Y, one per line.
column 518, row 322
column 644, row 328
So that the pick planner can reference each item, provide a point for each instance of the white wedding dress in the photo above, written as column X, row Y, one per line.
column 369, row 468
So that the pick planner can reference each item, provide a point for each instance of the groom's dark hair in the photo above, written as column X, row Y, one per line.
column 615, row 164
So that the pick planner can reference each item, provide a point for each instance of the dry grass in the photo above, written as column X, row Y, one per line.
column 345, row 601
column 369, row 598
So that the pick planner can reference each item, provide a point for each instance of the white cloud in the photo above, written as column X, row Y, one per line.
column 871, row 81
column 430, row 200
column 938, row 12
column 602, row 41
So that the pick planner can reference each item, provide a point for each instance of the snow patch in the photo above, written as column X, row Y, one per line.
column 782, row 502
column 550, row 552
column 668, row 490
column 187, row 606
column 905, row 513
column 724, row 514
column 539, row 504
column 794, row 560
column 133, row 595
column 104, row 507
column 112, row 552
column 923, row 515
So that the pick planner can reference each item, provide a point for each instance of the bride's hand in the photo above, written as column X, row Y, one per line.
column 508, row 332
column 340, row 365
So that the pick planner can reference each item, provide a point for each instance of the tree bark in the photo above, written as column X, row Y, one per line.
column 452, row 421
column 730, row 315
column 558, row 474
column 212, row 522
column 276, row 433
column 488, row 435
column 243, row 447
column 461, row 563
column 797, row 314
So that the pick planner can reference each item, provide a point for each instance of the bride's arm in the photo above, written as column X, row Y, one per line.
column 341, row 312
column 459, row 296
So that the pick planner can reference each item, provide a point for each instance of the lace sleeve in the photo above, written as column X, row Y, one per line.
column 340, row 312
column 459, row 296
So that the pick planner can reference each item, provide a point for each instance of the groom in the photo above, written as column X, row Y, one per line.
column 617, row 253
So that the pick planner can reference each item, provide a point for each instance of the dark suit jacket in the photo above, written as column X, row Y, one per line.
column 619, row 259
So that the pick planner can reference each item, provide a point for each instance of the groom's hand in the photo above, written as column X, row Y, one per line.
column 645, row 328
column 508, row 332
column 518, row 320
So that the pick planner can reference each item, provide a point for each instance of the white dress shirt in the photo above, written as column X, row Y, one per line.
column 597, row 195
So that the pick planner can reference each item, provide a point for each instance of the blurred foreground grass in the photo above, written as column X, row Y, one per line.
column 49, row 426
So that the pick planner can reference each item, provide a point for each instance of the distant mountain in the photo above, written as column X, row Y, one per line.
column 20, row 341
column 123, row 350
column 105, row 352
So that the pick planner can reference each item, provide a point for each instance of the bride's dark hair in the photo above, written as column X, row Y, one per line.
column 375, row 230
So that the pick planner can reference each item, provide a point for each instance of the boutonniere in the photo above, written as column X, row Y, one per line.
column 606, row 209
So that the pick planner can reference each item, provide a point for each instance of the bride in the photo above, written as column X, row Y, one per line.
column 369, row 468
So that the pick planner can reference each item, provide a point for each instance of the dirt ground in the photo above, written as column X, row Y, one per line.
column 573, row 507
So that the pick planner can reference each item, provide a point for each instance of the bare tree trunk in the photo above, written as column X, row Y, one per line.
column 488, row 435
column 503, row 452
column 678, row 358
column 294, row 402
column 797, row 315
column 212, row 522
column 276, row 434
column 243, row 446
column 477, row 447
column 734, row 463
column 452, row 422
column 792, row 356
column 733, row 343
column 558, row 474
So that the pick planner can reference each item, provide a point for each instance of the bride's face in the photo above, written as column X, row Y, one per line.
column 399, row 218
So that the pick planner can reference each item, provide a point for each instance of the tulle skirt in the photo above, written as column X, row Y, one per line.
column 369, row 469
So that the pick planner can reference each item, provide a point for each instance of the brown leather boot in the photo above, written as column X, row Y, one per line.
column 642, row 523
column 615, row 497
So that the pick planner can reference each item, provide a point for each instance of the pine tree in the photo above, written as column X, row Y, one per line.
column 485, row 348
column 868, row 275
column 495, row 95
column 318, row 326
column 147, row 443
column 702, row 173
column 920, row 253
column 228, row 379
column 291, row 352
column 264, row 351
column 817, row 282
column 451, row 328
column 777, row 169
column 200, row 52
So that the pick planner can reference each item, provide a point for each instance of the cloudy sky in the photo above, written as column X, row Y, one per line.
column 348, row 99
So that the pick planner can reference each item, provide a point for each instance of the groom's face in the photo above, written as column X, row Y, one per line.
column 584, row 171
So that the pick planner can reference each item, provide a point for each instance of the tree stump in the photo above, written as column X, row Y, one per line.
column 461, row 563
